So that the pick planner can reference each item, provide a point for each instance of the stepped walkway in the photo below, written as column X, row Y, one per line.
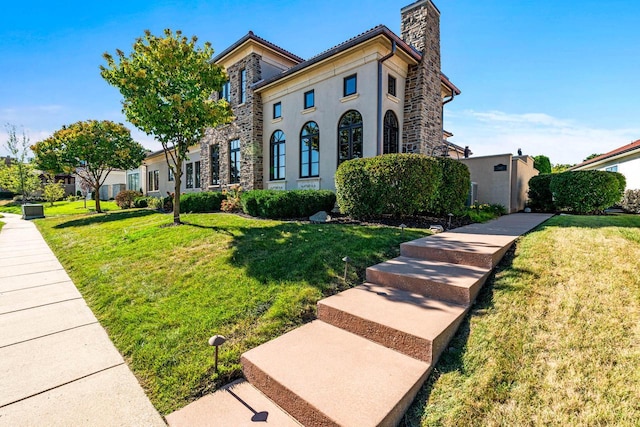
column 57, row 364
column 373, row 346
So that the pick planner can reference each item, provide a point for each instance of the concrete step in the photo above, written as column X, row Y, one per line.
column 444, row 281
column 459, row 248
column 408, row 322
column 238, row 404
column 326, row 376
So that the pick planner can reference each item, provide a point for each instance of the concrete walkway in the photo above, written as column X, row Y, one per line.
column 57, row 364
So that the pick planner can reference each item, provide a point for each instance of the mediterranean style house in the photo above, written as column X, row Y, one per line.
column 296, row 120
column 625, row 159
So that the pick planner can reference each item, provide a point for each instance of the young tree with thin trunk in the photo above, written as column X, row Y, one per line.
column 19, row 176
column 90, row 149
column 167, row 83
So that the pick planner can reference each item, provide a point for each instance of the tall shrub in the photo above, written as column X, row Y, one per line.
column 586, row 191
column 540, row 196
column 454, row 187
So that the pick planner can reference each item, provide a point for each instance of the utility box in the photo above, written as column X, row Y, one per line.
column 32, row 211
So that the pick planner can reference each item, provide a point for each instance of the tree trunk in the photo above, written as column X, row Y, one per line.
column 176, row 198
column 97, row 196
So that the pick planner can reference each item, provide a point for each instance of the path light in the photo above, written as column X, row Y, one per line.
column 216, row 341
column 450, row 216
column 346, row 260
column 402, row 227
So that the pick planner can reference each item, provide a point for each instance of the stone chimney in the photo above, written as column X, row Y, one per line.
column 422, row 129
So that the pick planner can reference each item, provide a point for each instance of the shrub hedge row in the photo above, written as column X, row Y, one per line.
column 583, row 192
column 401, row 184
column 276, row 204
column 206, row 201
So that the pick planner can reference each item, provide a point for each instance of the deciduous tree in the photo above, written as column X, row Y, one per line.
column 19, row 176
column 53, row 191
column 91, row 149
column 167, row 83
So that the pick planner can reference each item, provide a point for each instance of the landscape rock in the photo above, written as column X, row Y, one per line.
column 319, row 218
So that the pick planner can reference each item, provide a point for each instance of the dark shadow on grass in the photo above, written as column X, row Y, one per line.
column 217, row 229
column 104, row 218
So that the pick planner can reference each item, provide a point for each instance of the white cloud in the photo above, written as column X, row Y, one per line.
column 562, row 140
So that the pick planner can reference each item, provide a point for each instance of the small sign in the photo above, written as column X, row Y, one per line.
column 281, row 186
column 309, row 185
column 500, row 168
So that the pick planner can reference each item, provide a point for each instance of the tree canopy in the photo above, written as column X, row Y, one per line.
column 167, row 83
column 91, row 149
column 592, row 156
column 19, row 176
column 542, row 163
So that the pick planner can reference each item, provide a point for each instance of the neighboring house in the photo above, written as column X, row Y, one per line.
column 155, row 178
column 501, row 179
column 68, row 182
column 115, row 183
column 625, row 159
column 297, row 120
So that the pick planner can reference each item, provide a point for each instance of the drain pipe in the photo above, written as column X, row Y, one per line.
column 380, row 61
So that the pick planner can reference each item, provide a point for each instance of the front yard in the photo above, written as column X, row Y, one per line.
column 162, row 291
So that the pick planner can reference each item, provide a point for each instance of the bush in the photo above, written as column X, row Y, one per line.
column 396, row 184
column 156, row 203
column 232, row 201
column 142, row 201
column 586, row 192
column 453, row 190
column 631, row 201
column 540, row 196
column 125, row 198
column 290, row 204
column 207, row 201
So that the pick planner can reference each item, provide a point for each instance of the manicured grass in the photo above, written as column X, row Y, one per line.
column 553, row 339
column 162, row 291
column 63, row 207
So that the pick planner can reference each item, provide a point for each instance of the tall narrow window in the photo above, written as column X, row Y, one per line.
column 277, row 156
column 214, row 155
column 277, row 110
column 309, row 99
column 243, row 86
column 350, row 85
column 350, row 136
column 189, row 182
column 170, row 173
column 196, row 174
column 234, row 161
column 225, row 93
column 310, row 150
column 391, row 85
column 390, row 135
column 133, row 181
column 153, row 181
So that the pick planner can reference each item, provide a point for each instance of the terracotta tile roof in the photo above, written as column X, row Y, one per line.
column 621, row 150
column 251, row 36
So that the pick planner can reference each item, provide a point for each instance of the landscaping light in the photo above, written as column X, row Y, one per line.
column 450, row 216
column 216, row 341
column 346, row 260
column 402, row 227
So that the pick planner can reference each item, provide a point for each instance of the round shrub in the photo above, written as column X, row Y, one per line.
column 206, row 201
column 141, row 202
column 396, row 184
column 125, row 198
column 453, row 190
column 540, row 196
column 585, row 192
column 276, row 204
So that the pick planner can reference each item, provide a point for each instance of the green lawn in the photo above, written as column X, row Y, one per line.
column 62, row 207
column 554, row 338
column 162, row 291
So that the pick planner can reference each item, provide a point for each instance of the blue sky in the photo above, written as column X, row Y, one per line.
column 552, row 77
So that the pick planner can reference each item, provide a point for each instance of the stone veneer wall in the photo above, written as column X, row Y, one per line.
column 247, row 127
column 422, row 130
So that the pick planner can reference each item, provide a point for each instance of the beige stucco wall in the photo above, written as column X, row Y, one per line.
column 523, row 171
column 159, row 163
column 327, row 83
column 493, row 187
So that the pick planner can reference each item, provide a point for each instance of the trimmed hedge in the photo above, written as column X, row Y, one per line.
column 142, row 202
column 587, row 191
column 396, row 184
column 540, row 195
column 631, row 201
column 275, row 204
column 453, row 190
column 206, row 201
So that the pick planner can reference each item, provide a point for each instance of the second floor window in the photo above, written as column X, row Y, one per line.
column 225, row 93
column 243, row 86
column 234, row 161
column 350, row 85
column 391, row 85
column 277, row 110
column 309, row 99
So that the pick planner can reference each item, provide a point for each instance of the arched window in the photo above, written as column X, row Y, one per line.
column 390, row 135
column 350, row 136
column 276, row 168
column 310, row 150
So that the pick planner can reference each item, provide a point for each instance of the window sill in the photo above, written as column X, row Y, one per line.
column 276, row 120
column 350, row 97
column 393, row 98
column 308, row 110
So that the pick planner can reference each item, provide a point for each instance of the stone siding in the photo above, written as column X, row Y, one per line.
column 422, row 130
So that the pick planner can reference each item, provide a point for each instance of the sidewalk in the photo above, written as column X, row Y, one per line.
column 57, row 364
